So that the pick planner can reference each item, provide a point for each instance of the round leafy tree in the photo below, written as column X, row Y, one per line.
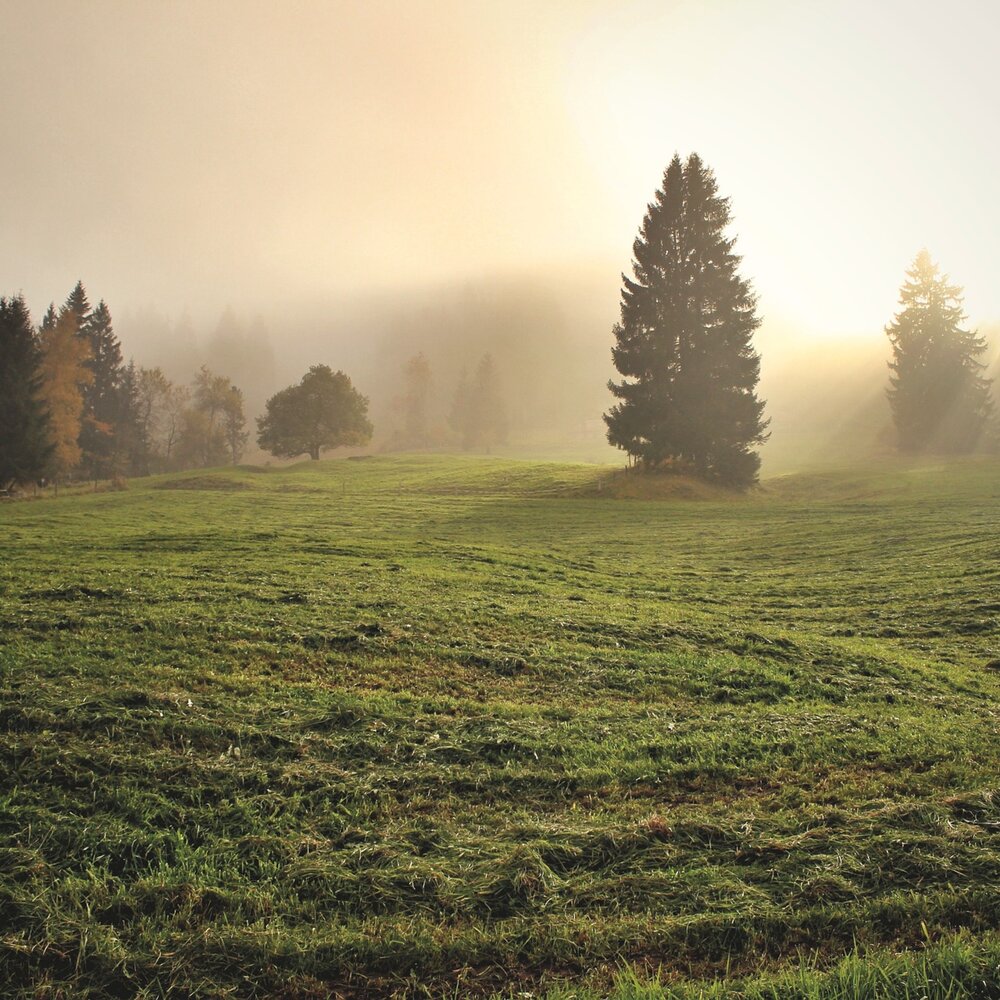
column 323, row 411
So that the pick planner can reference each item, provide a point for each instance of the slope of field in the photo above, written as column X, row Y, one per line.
column 470, row 726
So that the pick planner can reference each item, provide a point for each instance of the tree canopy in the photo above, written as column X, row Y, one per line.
column 323, row 411
column 940, row 400
column 684, row 344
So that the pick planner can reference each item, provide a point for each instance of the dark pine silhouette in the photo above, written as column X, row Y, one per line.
column 105, row 406
column 25, row 443
column 684, row 344
column 323, row 411
column 78, row 305
column 940, row 400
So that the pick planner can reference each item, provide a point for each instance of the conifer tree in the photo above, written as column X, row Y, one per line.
column 939, row 397
column 105, row 408
column 78, row 306
column 25, row 445
column 49, row 319
column 684, row 344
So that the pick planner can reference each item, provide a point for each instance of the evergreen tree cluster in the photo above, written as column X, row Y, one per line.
column 72, row 409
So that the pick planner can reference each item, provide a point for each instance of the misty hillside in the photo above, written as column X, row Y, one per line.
column 552, row 345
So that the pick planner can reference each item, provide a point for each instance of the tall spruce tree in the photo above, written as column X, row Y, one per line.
column 78, row 306
column 684, row 344
column 25, row 443
column 105, row 406
column 940, row 400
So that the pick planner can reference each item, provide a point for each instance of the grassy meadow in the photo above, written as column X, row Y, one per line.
column 475, row 727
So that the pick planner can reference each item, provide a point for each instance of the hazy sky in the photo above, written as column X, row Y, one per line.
column 211, row 152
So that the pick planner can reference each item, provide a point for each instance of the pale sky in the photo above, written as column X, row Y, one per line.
column 207, row 152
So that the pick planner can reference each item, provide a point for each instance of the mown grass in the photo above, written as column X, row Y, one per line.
column 467, row 726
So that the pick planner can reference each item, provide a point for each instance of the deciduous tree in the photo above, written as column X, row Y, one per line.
column 323, row 411
column 234, row 423
column 65, row 375
column 150, row 417
column 175, row 404
column 203, row 439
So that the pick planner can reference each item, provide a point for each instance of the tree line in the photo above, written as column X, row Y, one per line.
column 688, row 397
column 72, row 409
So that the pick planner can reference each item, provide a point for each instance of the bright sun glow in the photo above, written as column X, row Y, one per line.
column 836, row 167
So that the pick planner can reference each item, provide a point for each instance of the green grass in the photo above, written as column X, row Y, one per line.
column 472, row 727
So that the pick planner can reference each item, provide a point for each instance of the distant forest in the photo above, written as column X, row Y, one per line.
column 75, row 410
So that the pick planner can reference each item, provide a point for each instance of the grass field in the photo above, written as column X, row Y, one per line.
column 474, row 727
